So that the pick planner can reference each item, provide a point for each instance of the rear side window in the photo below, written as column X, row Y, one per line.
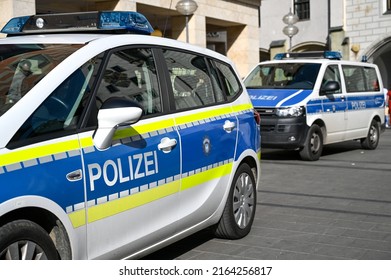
column 190, row 79
column 360, row 79
column 230, row 80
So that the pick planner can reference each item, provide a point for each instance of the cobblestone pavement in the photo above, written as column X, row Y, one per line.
column 336, row 208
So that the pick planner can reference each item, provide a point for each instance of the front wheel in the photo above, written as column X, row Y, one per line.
column 25, row 240
column 239, row 211
column 313, row 145
column 372, row 140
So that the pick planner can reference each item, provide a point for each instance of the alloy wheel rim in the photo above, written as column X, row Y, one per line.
column 243, row 200
column 23, row 250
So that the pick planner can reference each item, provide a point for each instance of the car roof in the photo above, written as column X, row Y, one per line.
column 68, row 38
column 318, row 61
column 84, row 38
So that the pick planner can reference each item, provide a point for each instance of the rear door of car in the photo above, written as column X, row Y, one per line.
column 208, row 134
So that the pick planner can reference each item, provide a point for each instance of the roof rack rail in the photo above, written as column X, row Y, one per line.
column 99, row 21
column 312, row 54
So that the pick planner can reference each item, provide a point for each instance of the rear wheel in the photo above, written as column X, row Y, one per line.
column 25, row 240
column 372, row 140
column 239, row 210
column 313, row 145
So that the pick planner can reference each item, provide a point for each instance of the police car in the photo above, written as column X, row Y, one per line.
column 307, row 100
column 114, row 145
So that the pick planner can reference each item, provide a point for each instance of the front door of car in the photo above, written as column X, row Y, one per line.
column 334, row 106
column 132, row 186
column 208, row 132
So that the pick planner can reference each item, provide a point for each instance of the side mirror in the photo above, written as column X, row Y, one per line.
column 114, row 112
column 330, row 87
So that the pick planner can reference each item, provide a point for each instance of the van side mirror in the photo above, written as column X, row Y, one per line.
column 114, row 112
column 330, row 87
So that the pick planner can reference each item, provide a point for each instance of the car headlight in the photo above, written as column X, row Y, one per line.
column 290, row 112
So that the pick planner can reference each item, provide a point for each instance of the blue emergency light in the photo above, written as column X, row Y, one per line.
column 333, row 55
column 130, row 22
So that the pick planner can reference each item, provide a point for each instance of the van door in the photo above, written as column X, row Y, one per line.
column 334, row 106
column 363, row 98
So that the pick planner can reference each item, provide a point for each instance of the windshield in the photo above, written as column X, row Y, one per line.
column 23, row 66
column 283, row 75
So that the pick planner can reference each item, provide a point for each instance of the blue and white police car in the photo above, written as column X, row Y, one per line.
column 114, row 145
column 306, row 102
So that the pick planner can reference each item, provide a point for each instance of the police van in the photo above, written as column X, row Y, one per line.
column 115, row 143
column 306, row 101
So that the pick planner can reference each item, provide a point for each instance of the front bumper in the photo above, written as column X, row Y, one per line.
column 283, row 133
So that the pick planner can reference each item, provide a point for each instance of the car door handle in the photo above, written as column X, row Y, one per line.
column 75, row 175
column 229, row 126
column 167, row 144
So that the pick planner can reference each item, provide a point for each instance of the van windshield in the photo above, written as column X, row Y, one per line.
column 22, row 66
column 283, row 75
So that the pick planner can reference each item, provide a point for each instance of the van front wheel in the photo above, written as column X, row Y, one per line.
column 372, row 140
column 313, row 145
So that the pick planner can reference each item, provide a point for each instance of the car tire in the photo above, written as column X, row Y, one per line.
column 26, row 240
column 372, row 140
column 239, row 210
column 313, row 145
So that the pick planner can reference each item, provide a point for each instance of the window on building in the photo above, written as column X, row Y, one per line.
column 388, row 6
column 302, row 9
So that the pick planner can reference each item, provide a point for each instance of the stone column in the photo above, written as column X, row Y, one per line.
column 126, row 5
column 243, row 47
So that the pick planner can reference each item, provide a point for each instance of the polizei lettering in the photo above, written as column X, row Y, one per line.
column 263, row 97
column 122, row 170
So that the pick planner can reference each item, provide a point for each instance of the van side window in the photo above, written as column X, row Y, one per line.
column 372, row 82
column 190, row 79
column 332, row 74
column 360, row 79
column 131, row 73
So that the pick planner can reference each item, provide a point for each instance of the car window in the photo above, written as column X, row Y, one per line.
column 230, row 80
column 131, row 74
column 63, row 109
column 23, row 66
column 360, row 79
column 191, row 82
column 371, row 80
column 332, row 74
column 284, row 75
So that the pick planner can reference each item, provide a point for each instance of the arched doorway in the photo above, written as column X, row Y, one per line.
column 380, row 54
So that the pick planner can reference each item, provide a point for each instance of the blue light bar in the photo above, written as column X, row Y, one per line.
column 332, row 55
column 15, row 25
column 131, row 21
column 320, row 54
column 116, row 21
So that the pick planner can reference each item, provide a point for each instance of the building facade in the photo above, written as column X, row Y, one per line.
column 229, row 27
column 357, row 28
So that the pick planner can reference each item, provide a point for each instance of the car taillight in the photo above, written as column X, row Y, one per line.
column 257, row 117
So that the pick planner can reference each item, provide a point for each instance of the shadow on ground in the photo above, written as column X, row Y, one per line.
column 290, row 155
column 185, row 245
